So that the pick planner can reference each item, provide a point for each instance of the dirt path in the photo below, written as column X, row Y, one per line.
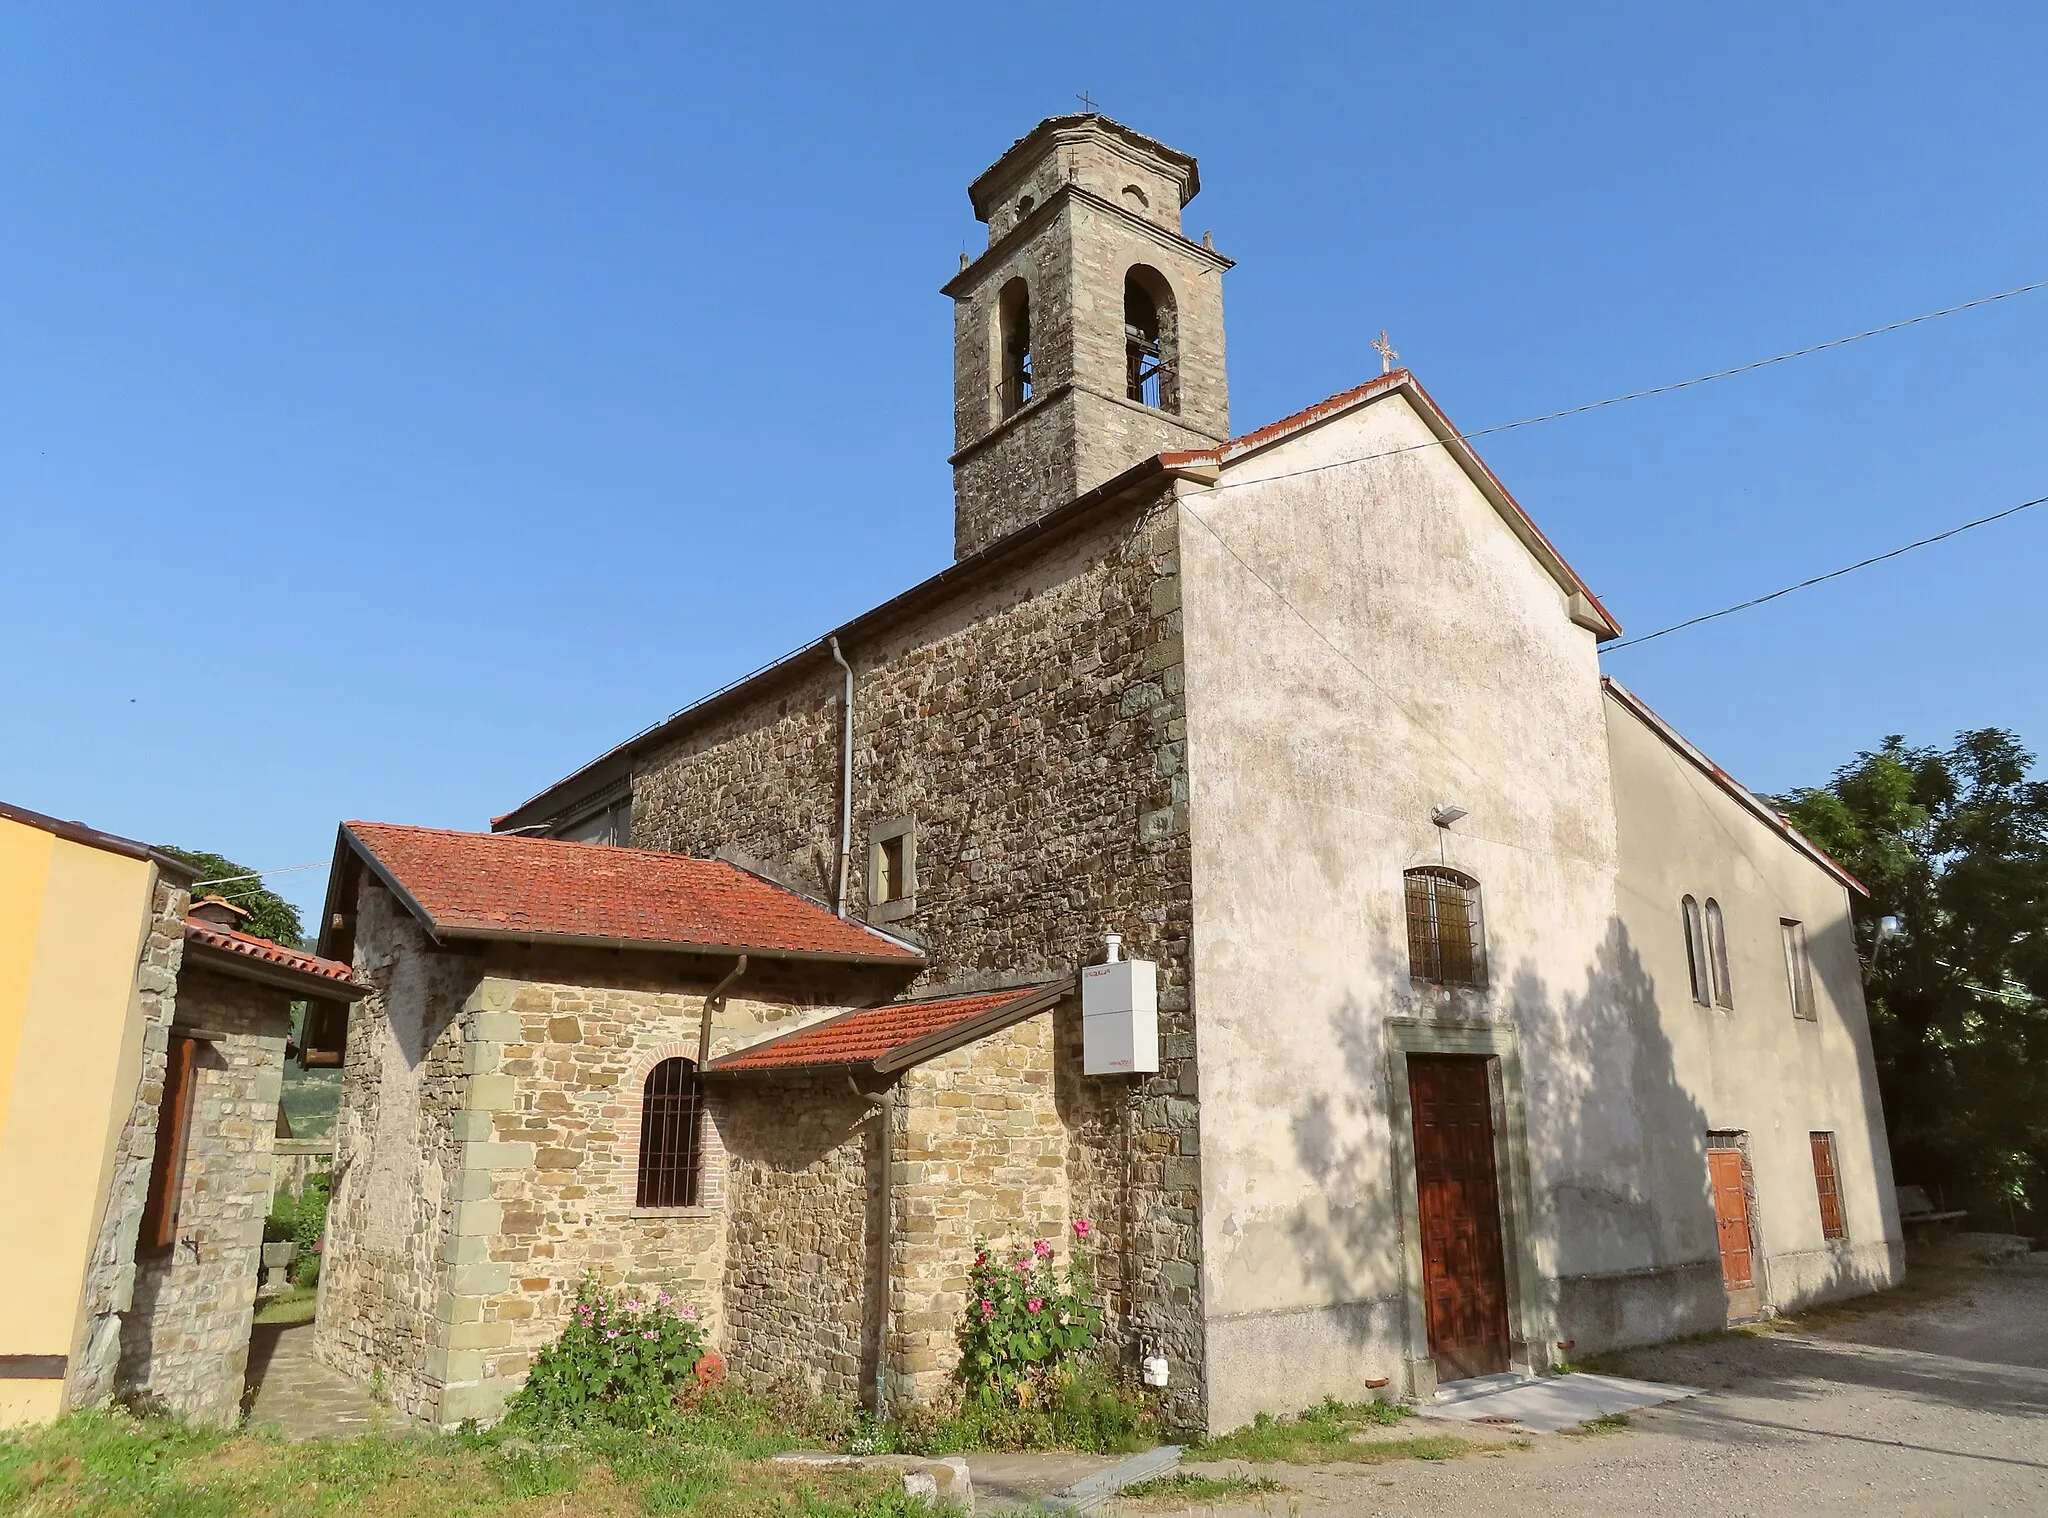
column 1934, row 1406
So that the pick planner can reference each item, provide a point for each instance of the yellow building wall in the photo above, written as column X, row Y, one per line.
column 73, row 921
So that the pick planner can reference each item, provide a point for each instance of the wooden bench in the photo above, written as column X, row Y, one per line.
column 1915, row 1211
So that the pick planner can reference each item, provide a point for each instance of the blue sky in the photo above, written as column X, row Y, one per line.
column 401, row 404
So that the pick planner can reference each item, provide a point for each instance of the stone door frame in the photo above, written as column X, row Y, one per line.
column 1496, row 1043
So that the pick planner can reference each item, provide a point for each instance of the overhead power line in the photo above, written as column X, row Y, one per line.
column 290, row 869
column 1637, row 395
column 1833, row 574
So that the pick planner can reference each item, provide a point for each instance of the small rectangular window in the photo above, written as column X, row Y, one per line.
column 173, row 1130
column 1828, row 1182
column 892, row 869
column 1798, row 968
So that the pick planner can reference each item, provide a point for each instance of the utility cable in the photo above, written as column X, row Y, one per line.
column 1833, row 574
column 1636, row 395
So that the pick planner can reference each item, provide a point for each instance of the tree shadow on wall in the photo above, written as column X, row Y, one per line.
column 1622, row 1227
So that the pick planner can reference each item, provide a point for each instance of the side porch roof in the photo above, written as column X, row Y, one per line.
column 893, row 1036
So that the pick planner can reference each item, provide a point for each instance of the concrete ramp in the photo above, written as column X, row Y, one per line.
column 1548, row 1404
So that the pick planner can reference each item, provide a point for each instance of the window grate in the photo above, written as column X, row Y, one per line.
column 1827, row 1181
column 671, row 1135
column 1446, row 942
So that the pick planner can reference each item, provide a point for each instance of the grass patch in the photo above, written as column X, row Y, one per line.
column 1183, row 1486
column 1327, row 1433
column 112, row 1465
column 1612, row 1423
column 293, row 1305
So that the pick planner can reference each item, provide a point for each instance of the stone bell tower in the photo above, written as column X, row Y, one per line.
column 1089, row 334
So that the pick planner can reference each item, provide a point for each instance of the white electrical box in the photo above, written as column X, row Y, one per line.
column 1120, row 1018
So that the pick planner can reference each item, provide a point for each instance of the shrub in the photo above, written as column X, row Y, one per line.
column 301, row 1220
column 1079, row 1407
column 1026, row 1320
column 621, row 1361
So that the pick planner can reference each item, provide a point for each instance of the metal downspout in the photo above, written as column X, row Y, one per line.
column 711, row 1004
column 845, row 783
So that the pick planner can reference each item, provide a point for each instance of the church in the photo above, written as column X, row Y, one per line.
column 1491, row 1022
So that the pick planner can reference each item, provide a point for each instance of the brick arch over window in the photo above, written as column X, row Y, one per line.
column 633, row 1096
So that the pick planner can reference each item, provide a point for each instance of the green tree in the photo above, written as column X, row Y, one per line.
column 1954, row 843
column 270, row 915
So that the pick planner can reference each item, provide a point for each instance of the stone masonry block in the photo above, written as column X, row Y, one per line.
column 472, row 1126
column 480, row 1280
column 465, row 1250
column 497, row 1156
column 482, row 1217
column 495, row 1028
column 480, row 1336
column 447, row 1365
column 482, row 1400
column 493, row 1093
column 491, row 995
column 471, row 1185
column 480, row 1059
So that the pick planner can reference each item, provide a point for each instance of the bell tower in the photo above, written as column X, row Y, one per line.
column 1089, row 334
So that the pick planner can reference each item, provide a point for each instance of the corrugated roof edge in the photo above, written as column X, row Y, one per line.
column 94, row 838
column 1629, row 701
column 908, row 955
column 917, row 1050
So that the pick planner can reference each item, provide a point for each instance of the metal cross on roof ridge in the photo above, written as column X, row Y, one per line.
column 1087, row 100
column 1386, row 352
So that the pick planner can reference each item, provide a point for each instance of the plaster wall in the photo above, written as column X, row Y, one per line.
column 1457, row 676
column 74, row 925
column 1756, row 1068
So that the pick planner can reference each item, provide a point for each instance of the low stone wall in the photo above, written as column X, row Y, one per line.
column 185, row 1344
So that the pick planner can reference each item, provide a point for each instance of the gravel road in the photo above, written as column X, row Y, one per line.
column 1935, row 1405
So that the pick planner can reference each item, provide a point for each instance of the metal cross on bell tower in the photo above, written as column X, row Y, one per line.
column 1386, row 352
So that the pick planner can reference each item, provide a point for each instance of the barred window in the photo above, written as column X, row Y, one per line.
column 1827, row 1180
column 671, row 1135
column 1446, row 942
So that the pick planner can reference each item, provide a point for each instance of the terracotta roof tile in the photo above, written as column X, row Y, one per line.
column 874, row 1034
column 228, row 941
column 499, row 885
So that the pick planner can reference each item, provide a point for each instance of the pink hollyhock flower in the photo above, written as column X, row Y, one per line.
column 688, row 1314
column 663, row 1298
column 988, row 1309
column 611, row 1333
column 1035, row 1303
column 1082, row 1228
column 1041, row 1248
column 650, row 1334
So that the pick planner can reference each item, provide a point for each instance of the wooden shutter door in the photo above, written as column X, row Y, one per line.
column 173, row 1126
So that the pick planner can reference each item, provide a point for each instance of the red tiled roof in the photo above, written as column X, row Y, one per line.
column 262, row 950
column 893, row 1036
column 500, row 885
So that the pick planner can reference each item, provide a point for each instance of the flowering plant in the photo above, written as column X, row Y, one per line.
column 1026, row 1319
column 623, row 1358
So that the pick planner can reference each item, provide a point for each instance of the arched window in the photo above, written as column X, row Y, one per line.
column 1014, row 382
column 1446, row 943
column 1717, row 957
column 1151, row 376
column 1696, row 952
column 671, row 1135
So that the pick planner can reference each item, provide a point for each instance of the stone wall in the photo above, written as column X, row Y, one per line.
column 983, row 1157
column 110, row 1277
column 1033, row 725
column 185, row 1343
column 395, row 1161
column 802, row 1259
